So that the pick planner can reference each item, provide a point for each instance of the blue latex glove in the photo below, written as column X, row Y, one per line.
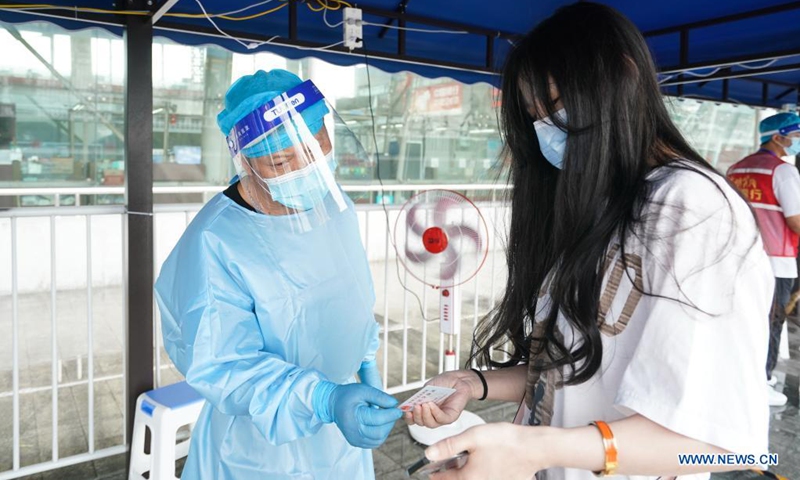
column 369, row 375
column 350, row 408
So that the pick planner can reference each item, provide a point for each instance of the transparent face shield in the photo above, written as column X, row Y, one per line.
column 791, row 138
column 284, row 155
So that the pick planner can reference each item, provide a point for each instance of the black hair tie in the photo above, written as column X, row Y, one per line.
column 483, row 381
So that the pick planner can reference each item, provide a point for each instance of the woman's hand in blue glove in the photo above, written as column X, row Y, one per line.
column 350, row 407
column 369, row 375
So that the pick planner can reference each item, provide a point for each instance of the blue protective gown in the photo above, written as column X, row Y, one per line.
column 254, row 315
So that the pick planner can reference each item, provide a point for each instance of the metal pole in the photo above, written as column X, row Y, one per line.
column 125, row 388
column 139, row 204
column 163, row 9
column 55, row 366
column 292, row 20
column 14, row 346
column 166, row 131
column 156, row 319
column 405, row 319
column 90, row 331
column 684, row 56
column 70, row 114
column 386, row 306
column 401, row 36
column 85, row 141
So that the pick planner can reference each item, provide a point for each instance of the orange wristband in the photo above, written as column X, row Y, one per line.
column 610, row 445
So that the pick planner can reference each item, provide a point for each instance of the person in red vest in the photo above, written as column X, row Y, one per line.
column 773, row 188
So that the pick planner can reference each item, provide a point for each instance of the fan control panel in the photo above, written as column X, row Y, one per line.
column 449, row 311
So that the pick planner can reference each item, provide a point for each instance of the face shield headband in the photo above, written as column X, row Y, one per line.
column 783, row 131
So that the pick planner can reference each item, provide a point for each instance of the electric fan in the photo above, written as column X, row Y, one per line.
column 441, row 239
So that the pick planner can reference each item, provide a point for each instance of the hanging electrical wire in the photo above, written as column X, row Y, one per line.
column 701, row 75
column 44, row 6
column 325, row 19
column 234, row 12
column 757, row 67
column 423, row 30
column 224, row 15
column 324, row 6
column 745, row 65
column 249, row 46
column 666, row 78
column 254, row 45
column 389, row 236
column 255, row 15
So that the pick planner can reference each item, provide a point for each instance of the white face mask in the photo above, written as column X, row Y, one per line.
column 302, row 189
column 552, row 140
column 794, row 148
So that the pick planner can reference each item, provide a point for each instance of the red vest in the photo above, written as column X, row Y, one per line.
column 753, row 176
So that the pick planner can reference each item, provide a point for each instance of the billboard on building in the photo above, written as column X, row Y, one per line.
column 440, row 99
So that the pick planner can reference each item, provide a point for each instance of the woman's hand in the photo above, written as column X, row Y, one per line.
column 496, row 450
column 431, row 415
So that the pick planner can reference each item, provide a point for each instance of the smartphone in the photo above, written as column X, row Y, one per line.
column 427, row 467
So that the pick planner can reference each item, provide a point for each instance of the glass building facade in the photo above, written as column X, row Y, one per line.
column 62, row 100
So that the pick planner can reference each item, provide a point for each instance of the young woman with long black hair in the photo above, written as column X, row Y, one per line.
column 637, row 280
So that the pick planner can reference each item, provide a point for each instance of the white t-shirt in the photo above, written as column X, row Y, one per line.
column 786, row 184
column 698, row 371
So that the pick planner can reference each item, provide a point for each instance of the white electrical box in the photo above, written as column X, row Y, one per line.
column 353, row 28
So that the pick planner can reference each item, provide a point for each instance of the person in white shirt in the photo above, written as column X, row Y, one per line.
column 635, row 273
column 773, row 188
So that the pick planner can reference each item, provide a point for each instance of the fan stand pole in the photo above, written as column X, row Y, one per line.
column 450, row 323
column 450, row 355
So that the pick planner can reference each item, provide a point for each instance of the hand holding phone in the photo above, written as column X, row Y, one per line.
column 425, row 466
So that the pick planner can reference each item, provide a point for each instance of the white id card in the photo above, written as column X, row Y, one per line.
column 427, row 394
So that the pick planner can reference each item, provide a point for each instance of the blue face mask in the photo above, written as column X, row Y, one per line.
column 552, row 140
column 794, row 148
column 302, row 189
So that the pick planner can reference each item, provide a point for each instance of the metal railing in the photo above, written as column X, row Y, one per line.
column 79, row 192
column 16, row 392
column 397, row 312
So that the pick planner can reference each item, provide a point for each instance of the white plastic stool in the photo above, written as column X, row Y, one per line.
column 163, row 410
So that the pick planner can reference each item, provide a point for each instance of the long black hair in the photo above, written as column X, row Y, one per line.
column 562, row 221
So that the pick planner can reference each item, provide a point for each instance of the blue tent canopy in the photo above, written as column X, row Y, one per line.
column 745, row 51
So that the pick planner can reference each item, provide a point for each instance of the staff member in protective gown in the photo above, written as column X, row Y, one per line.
column 267, row 300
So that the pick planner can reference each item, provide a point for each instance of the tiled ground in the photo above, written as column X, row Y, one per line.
column 390, row 460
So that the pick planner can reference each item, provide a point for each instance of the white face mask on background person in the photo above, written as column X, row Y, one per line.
column 794, row 147
column 552, row 139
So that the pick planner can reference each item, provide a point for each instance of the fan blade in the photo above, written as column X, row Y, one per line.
column 412, row 223
column 454, row 231
column 418, row 256
column 449, row 266
column 440, row 211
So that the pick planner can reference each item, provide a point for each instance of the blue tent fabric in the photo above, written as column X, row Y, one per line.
column 746, row 37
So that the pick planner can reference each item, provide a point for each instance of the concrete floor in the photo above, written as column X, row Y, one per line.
column 398, row 452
